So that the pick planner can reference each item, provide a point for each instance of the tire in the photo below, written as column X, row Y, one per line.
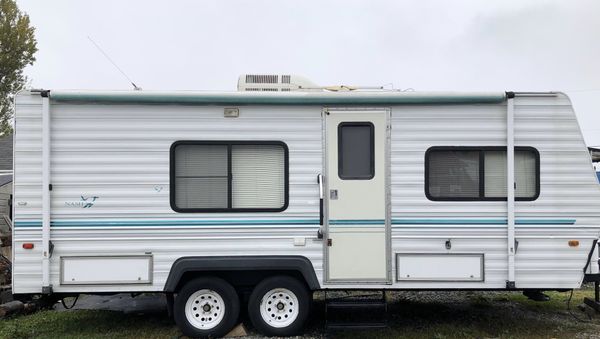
column 279, row 306
column 217, row 310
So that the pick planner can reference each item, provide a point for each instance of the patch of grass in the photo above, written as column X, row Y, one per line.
column 447, row 331
column 557, row 302
column 88, row 324
column 485, row 315
column 431, row 321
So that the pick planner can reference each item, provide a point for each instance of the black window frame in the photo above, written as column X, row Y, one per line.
column 229, row 144
column 340, row 153
column 482, row 150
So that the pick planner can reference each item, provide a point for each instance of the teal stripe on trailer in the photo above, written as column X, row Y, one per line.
column 482, row 221
column 127, row 223
column 142, row 223
column 358, row 222
column 293, row 98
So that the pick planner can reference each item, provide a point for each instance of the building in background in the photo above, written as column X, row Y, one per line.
column 595, row 154
column 6, row 184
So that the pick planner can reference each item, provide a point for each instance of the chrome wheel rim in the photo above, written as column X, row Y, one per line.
column 279, row 307
column 205, row 309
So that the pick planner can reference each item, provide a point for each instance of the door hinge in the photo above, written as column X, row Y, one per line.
column 329, row 242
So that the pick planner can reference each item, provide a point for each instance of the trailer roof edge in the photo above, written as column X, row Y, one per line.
column 294, row 98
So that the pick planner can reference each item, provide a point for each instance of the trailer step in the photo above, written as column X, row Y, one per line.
column 354, row 312
column 594, row 304
column 593, row 277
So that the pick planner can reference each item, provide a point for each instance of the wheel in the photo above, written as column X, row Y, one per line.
column 206, row 307
column 279, row 306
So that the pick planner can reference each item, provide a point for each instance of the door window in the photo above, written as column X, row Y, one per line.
column 356, row 151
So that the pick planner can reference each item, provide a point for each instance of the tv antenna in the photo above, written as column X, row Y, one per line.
column 135, row 87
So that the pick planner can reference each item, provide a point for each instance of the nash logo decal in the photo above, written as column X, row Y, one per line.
column 84, row 203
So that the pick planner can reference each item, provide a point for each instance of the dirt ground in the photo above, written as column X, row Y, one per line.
column 410, row 315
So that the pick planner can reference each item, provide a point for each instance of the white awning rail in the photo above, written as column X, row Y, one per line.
column 510, row 187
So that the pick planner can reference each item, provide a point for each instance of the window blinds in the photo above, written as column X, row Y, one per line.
column 525, row 174
column 454, row 174
column 258, row 176
column 495, row 174
column 203, row 172
column 201, row 176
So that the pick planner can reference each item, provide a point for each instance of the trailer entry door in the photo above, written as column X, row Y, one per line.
column 357, row 218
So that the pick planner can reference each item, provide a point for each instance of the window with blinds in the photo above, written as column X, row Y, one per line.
column 231, row 176
column 479, row 173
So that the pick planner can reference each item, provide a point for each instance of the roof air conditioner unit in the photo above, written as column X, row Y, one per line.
column 275, row 83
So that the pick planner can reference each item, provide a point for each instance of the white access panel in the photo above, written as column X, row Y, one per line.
column 439, row 267
column 106, row 270
column 361, row 266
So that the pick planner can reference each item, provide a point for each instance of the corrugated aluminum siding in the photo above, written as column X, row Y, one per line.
column 569, row 191
column 120, row 154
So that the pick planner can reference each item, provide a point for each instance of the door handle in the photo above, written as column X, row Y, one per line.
column 320, row 182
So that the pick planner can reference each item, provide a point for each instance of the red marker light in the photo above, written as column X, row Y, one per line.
column 28, row 246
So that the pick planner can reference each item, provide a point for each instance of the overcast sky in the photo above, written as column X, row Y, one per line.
column 425, row 45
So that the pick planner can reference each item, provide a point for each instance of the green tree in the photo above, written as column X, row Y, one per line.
column 17, row 49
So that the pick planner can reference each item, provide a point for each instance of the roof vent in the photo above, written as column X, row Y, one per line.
column 261, row 79
column 275, row 83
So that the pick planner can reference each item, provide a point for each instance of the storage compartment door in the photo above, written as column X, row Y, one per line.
column 106, row 270
column 439, row 267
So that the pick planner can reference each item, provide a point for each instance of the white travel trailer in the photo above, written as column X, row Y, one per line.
column 274, row 192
